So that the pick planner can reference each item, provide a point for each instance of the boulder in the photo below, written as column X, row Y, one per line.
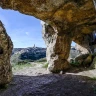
column 80, row 58
column 93, row 65
column 81, row 49
column 87, row 62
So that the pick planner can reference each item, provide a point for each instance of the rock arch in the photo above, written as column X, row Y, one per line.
column 66, row 20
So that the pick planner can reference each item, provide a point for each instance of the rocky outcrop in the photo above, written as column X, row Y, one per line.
column 5, row 53
column 58, row 48
column 33, row 53
column 81, row 49
column 93, row 65
column 66, row 20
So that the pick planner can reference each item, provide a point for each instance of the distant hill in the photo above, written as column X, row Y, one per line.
column 29, row 54
column 34, row 53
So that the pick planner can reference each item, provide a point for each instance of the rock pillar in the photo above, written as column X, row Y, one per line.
column 58, row 48
column 5, row 53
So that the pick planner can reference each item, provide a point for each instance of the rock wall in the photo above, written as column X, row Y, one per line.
column 5, row 53
column 66, row 20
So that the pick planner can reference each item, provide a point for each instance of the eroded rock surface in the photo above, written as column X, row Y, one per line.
column 58, row 48
column 5, row 53
column 66, row 20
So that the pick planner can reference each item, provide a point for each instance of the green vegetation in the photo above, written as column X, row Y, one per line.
column 23, row 62
column 20, row 66
column 27, row 64
column 93, row 78
column 74, row 63
column 45, row 65
column 41, row 60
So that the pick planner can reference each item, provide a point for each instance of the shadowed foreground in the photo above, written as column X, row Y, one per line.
column 50, row 85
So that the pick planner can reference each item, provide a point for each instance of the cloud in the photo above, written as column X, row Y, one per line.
column 24, row 33
column 15, row 41
column 27, row 33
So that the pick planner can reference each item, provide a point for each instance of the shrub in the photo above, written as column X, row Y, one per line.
column 45, row 65
column 74, row 63
column 42, row 60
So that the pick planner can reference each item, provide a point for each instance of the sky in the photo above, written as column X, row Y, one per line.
column 24, row 30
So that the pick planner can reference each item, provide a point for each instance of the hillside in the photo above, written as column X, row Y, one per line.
column 28, row 54
column 34, row 53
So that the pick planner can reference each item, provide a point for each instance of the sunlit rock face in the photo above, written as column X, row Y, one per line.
column 58, row 48
column 82, row 49
column 66, row 20
column 5, row 53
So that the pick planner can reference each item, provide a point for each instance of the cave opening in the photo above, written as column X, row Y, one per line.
column 61, row 16
column 29, row 48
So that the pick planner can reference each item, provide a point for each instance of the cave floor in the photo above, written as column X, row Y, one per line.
column 42, row 83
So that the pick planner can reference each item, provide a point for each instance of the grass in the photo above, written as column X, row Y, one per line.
column 45, row 65
column 22, row 65
column 41, row 60
column 25, row 64
column 74, row 63
column 17, row 67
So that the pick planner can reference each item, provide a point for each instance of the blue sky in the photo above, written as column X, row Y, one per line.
column 24, row 30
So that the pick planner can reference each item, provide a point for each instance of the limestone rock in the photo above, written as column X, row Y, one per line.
column 5, row 53
column 57, row 45
column 80, row 58
column 94, row 54
column 81, row 49
column 93, row 65
column 87, row 62
column 76, row 16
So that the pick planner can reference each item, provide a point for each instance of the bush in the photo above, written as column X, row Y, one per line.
column 74, row 63
column 45, row 65
column 42, row 60
column 22, row 62
column 20, row 66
